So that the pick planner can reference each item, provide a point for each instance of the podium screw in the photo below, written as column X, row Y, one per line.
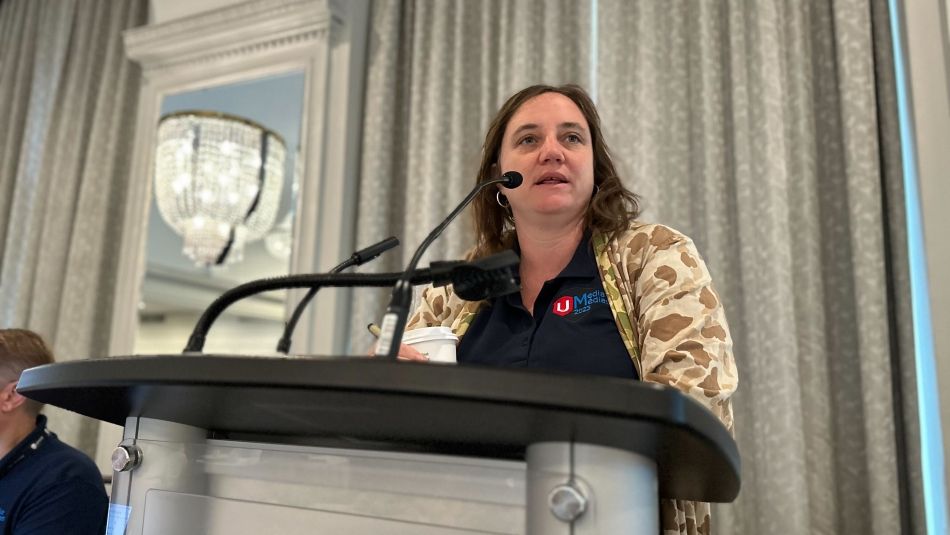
column 566, row 503
column 125, row 458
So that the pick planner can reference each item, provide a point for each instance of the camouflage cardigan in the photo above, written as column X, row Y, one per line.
column 669, row 317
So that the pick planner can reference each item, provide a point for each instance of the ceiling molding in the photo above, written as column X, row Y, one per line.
column 233, row 31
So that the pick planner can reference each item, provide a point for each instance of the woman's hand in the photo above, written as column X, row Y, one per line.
column 406, row 352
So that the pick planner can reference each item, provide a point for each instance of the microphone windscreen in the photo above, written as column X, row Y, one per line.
column 513, row 179
column 371, row 252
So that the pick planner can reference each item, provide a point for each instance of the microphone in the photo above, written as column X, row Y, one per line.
column 480, row 279
column 394, row 321
column 346, row 280
column 357, row 259
column 491, row 276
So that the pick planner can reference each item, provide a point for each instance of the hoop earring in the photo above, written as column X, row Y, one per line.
column 499, row 197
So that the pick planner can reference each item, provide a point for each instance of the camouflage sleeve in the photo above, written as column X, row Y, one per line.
column 681, row 517
column 683, row 334
column 441, row 307
column 684, row 343
column 433, row 309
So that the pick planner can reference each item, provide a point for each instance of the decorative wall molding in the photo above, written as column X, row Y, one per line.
column 245, row 29
column 226, row 54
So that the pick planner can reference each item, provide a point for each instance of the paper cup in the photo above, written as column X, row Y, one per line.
column 437, row 343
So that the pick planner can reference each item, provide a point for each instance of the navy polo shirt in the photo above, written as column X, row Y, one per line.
column 572, row 329
column 50, row 488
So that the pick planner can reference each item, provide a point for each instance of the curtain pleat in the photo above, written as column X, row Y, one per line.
column 72, row 98
column 18, row 24
column 758, row 129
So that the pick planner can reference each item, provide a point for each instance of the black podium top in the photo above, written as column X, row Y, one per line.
column 368, row 402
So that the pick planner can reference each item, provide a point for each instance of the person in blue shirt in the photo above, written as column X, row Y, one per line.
column 46, row 487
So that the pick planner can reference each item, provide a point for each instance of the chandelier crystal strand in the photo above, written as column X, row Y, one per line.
column 218, row 181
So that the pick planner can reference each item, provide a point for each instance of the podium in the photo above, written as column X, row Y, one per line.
column 218, row 444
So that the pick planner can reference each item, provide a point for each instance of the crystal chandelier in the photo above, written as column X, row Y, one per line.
column 218, row 181
column 279, row 241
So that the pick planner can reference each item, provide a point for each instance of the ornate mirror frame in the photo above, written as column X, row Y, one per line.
column 324, row 39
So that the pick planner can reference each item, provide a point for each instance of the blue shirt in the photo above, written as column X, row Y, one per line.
column 572, row 329
column 50, row 489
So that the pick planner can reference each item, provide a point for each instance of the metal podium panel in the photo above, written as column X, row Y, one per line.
column 217, row 483
column 171, row 513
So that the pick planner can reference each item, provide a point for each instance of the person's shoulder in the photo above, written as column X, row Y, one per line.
column 640, row 237
column 63, row 461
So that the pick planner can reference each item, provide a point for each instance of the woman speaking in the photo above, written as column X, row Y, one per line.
column 601, row 293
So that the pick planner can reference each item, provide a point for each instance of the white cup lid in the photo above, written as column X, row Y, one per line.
column 428, row 334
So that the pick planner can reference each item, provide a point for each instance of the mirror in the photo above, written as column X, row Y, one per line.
column 296, row 68
column 313, row 52
column 177, row 288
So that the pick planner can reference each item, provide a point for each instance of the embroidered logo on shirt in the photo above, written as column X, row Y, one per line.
column 564, row 306
column 579, row 303
column 3, row 515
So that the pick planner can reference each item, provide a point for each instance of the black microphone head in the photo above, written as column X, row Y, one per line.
column 513, row 179
column 492, row 276
column 365, row 255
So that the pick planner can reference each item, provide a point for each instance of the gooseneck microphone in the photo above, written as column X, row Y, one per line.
column 357, row 259
column 394, row 321
column 196, row 341
column 473, row 281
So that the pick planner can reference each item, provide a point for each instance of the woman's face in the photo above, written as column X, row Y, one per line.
column 548, row 141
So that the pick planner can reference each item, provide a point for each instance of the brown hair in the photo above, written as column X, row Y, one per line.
column 612, row 207
column 21, row 349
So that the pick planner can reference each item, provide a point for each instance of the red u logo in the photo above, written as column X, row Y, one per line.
column 564, row 305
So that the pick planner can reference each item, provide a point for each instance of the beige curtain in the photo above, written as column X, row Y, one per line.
column 767, row 132
column 67, row 99
column 437, row 71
